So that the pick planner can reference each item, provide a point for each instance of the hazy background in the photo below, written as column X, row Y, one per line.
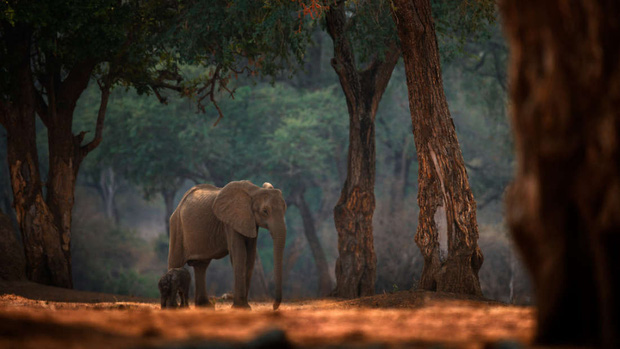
column 292, row 133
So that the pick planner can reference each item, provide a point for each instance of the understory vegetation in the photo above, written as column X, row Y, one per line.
column 292, row 133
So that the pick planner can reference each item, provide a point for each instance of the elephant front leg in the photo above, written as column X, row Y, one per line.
column 239, row 261
column 249, row 264
column 200, row 270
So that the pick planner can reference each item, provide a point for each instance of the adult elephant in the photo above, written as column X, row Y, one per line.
column 211, row 222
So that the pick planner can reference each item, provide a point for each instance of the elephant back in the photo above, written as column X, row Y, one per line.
column 195, row 232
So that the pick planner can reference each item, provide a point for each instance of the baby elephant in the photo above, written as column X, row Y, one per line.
column 175, row 281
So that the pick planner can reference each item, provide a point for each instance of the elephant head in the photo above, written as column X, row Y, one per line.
column 245, row 207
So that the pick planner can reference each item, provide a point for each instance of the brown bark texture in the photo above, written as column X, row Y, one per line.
column 46, row 223
column 357, row 263
column 564, row 204
column 447, row 206
column 66, row 152
column 45, row 260
column 12, row 257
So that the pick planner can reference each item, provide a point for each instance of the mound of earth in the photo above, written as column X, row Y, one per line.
column 415, row 299
column 33, row 291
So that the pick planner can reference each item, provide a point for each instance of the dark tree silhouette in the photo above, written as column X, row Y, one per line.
column 564, row 204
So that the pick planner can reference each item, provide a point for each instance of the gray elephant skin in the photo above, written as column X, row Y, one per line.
column 175, row 282
column 211, row 222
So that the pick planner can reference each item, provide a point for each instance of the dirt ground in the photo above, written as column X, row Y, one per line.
column 35, row 316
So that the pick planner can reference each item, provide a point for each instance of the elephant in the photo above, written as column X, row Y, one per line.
column 211, row 222
column 175, row 281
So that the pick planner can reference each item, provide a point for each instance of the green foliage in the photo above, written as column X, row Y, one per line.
column 371, row 28
column 460, row 22
column 297, row 137
column 114, row 260
column 119, row 38
column 310, row 130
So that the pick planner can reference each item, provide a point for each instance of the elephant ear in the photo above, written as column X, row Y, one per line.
column 233, row 206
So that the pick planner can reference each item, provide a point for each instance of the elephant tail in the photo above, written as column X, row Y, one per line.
column 176, row 257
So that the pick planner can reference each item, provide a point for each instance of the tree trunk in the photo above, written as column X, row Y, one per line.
column 108, row 186
column 447, row 232
column 259, row 289
column 168, row 195
column 45, row 260
column 324, row 280
column 563, row 205
column 65, row 149
column 357, row 263
column 64, row 162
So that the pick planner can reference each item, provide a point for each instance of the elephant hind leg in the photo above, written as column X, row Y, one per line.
column 200, row 270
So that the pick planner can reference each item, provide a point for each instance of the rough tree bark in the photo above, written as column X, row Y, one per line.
column 45, row 260
column 357, row 263
column 324, row 280
column 45, row 224
column 447, row 232
column 66, row 151
column 563, row 205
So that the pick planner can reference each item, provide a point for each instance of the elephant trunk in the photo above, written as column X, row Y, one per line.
column 278, row 233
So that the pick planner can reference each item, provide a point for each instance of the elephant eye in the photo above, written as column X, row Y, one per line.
column 265, row 211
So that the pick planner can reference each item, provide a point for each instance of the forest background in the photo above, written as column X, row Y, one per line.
column 291, row 132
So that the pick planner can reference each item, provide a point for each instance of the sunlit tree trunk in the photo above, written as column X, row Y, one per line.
column 564, row 205
column 357, row 263
column 447, row 232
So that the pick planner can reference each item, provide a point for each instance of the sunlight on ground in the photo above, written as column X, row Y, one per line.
column 455, row 323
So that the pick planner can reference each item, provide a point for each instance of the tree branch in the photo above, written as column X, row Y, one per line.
column 77, row 80
column 379, row 74
column 344, row 58
column 103, row 105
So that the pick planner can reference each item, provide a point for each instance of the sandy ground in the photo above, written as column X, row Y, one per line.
column 35, row 316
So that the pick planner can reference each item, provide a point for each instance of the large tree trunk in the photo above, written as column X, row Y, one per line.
column 356, row 265
column 45, row 260
column 325, row 281
column 564, row 204
column 447, row 232
column 45, row 224
column 64, row 164
column 65, row 149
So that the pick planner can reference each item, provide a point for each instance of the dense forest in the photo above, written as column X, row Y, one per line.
column 290, row 131
column 427, row 155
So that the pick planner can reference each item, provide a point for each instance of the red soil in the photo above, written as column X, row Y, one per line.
column 38, row 316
